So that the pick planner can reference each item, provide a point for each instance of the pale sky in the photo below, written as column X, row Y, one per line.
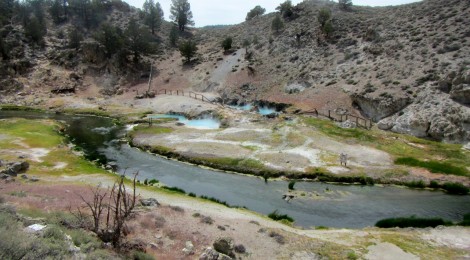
column 215, row 12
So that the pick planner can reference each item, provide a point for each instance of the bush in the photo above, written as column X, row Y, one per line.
column 153, row 181
column 291, row 185
column 192, row 194
column 53, row 232
column 411, row 222
column 416, row 184
column 227, row 43
column 239, row 248
column 207, row 220
column 160, row 221
column 276, row 216
column 278, row 237
column 175, row 189
column 82, row 238
column 466, row 220
column 434, row 185
column 455, row 188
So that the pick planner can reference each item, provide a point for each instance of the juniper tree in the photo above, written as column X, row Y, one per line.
column 257, row 11
column 181, row 14
column 285, row 9
column 277, row 24
column 227, row 43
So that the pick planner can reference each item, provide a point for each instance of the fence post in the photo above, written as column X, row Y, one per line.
column 329, row 114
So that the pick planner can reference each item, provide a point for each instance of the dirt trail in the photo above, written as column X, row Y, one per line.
column 225, row 67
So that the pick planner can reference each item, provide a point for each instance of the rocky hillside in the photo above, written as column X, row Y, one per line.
column 405, row 67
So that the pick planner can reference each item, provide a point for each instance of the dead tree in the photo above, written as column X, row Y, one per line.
column 111, row 209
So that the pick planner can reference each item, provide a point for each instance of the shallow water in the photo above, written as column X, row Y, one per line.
column 266, row 110
column 341, row 206
column 261, row 110
column 199, row 123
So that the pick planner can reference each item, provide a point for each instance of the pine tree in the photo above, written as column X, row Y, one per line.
column 174, row 35
column 75, row 37
column 188, row 49
column 181, row 13
column 137, row 40
column 153, row 15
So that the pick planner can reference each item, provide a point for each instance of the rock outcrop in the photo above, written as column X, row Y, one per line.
column 379, row 107
column 457, row 84
column 434, row 115
column 224, row 245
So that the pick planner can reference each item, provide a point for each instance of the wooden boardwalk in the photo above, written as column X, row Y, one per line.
column 360, row 122
column 190, row 94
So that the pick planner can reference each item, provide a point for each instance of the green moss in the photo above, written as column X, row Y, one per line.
column 146, row 129
column 86, row 111
column 331, row 129
column 44, row 134
column 34, row 133
column 433, row 166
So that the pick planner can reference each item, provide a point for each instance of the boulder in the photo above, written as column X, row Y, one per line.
column 111, row 166
column 294, row 88
column 189, row 248
column 347, row 124
column 14, row 168
column 211, row 254
column 272, row 115
column 224, row 245
column 150, row 202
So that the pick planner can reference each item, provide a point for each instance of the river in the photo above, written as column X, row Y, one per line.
column 340, row 206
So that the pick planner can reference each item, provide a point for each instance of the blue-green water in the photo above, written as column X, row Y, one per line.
column 199, row 123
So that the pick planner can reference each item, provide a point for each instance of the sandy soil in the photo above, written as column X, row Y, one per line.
column 387, row 251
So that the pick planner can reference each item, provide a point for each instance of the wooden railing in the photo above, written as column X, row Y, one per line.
column 360, row 122
column 190, row 94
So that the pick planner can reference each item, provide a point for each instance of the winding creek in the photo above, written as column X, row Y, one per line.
column 323, row 204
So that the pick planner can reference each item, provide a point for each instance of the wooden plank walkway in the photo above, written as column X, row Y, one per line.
column 360, row 122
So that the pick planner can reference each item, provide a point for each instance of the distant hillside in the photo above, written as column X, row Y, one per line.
column 394, row 64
